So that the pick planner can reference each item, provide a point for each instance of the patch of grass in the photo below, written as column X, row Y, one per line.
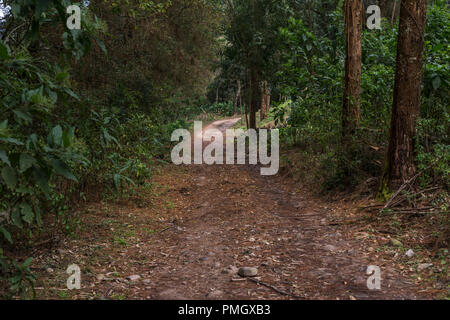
column 121, row 241
column 118, row 297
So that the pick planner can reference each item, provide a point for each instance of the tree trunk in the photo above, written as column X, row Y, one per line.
column 352, row 80
column 268, row 98
column 240, row 103
column 247, row 98
column 395, row 12
column 385, row 8
column 238, row 94
column 265, row 100
column 217, row 95
column 389, row 9
column 253, row 97
column 309, row 16
column 407, row 90
column 262, row 113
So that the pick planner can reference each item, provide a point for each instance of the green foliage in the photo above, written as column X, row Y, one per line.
column 225, row 109
column 310, row 74
column 34, row 151
column 304, row 64
column 38, row 14
column 22, row 278
column 39, row 147
column 432, row 140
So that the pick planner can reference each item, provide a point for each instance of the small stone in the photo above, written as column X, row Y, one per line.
column 330, row 247
column 410, row 253
column 100, row 277
column 248, row 272
column 134, row 277
column 395, row 243
column 424, row 266
column 49, row 270
column 214, row 294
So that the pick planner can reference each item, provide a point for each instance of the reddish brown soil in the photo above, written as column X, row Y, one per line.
column 198, row 220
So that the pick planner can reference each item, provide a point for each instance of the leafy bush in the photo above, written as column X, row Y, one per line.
column 225, row 109
column 36, row 153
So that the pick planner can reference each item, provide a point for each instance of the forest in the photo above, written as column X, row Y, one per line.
column 91, row 92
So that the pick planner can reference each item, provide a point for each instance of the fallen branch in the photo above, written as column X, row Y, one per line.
column 408, row 182
column 413, row 209
column 284, row 293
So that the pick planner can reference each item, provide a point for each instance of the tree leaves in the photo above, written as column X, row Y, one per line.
column 26, row 162
column 27, row 212
column 61, row 77
column 68, row 137
column 4, row 51
column 41, row 6
column 12, row 141
column 101, row 45
column 9, row 177
column 22, row 212
column 41, row 177
column 38, row 216
column 436, row 82
column 6, row 234
column 56, row 136
column 62, row 169
column 23, row 115
column 16, row 218
column 4, row 157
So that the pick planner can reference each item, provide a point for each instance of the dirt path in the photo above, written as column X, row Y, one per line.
column 225, row 216
column 239, row 218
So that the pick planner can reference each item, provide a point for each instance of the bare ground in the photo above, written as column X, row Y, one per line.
column 180, row 238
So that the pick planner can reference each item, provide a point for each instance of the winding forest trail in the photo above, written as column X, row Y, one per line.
column 228, row 215
column 238, row 218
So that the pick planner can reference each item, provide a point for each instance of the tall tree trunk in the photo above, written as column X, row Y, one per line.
column 385, row 8
column 247, row 98
column 237, row 96
column 352, row 80
column 253, row 97
column 240, row 103
column 267, row 94
column 407, row 91
column 309, row 16
column 217, row 95
column 389, row 9
column 395, row 12
column 262, row 113
column 265, row 100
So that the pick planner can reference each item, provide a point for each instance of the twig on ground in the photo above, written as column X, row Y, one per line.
column 408, row 182
column 165, row 229
column 413, row 209
column 284, row 293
